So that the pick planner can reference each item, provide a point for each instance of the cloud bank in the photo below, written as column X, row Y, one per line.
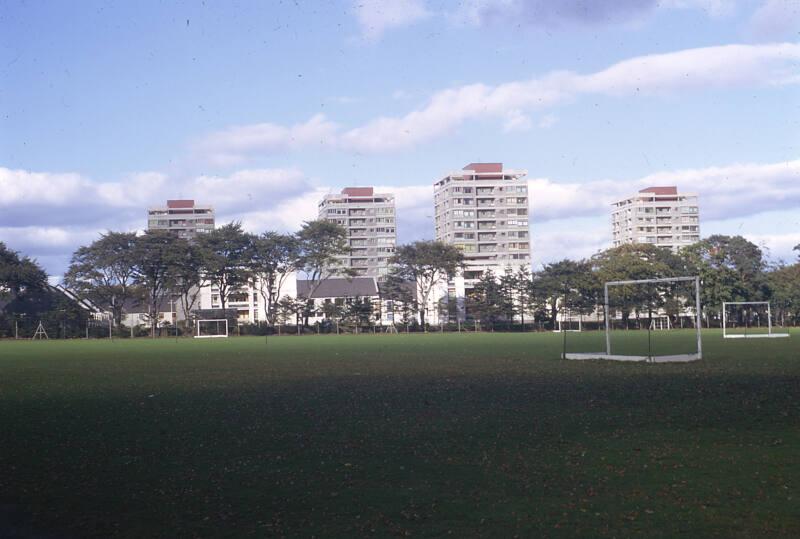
column 48, row 215
column 691, row 70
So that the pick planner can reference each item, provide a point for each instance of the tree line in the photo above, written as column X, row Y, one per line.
column 731, row 269
column 119, row 268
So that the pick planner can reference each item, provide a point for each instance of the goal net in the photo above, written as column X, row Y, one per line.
column 654, row 320
column 207, row 329
column 748, row 320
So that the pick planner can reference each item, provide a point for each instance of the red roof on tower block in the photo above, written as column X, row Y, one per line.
column 180, row 203
column 358, row 191
column 669, row 190
column 484, row 167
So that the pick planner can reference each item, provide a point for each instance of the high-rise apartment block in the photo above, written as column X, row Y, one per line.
column 483, row 210
column 657, row 215
column 369, row 219
column 184, row 218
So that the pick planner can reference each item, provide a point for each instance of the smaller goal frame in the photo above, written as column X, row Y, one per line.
column 768, row 335
column 561, row 329
column 675, row 358
column 197, row 327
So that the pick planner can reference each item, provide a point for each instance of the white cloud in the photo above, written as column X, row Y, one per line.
column 134, row 191
column 377, row 16
column 777, row 246
column 231, row 146
column 548, row 120
column 700, row 69
column 553, row 243
column 48, row 215
column 517, row 121
column 288, row 216
column 23, row 187
column 558, row 207
column 248, row 189
column 739, row 189
column 567, row 218
column 776, row 19
column 47, row 239
column 550, row 14
column 733, row 190
column 710, row 67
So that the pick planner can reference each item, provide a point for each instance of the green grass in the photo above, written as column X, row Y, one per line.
column 639, row 343
column 428, row 435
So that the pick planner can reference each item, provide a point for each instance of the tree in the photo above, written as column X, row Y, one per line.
column 359, row 311
column 18, row 274
column 509, row 288
column 332, row 311
column 784, row 283
column 560, row 279
column 51, row 307
column 154, row 256
column 731, row 268
column 23, row 285
column 797, row 248
column 426, row 263
column 273, row 259
column 524, row 292
column 103, row 271
column 637, row 261
column 321, row 243
column 291, row 307
column 400, row 293
column 486, row 301
column 226, row 253
column 185, row 274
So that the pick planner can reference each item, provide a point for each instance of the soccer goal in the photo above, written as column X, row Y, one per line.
column 660, row 323
column 633, row 311
column 748, row 320
column 568, row 321
column 209, row 329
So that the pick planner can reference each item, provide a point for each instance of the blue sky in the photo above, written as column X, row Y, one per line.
column 261, row 107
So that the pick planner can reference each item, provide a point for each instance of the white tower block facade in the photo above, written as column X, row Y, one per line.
column 657, row 215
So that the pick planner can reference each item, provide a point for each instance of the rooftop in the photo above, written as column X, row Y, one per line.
column 358, row 191
column 484, row 167
column 180, row 203
column 663, row 190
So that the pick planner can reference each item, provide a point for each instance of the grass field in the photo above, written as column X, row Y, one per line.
column 426, row 435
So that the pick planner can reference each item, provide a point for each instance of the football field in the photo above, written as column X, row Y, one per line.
column 466, row 435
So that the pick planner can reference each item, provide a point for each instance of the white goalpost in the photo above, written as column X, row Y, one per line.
column 566, row 321
column 571, row 326
column 656, row 322
column 747, row 328
column 210, row 329
column 660, row 322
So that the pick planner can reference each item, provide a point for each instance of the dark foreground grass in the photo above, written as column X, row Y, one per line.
column 429, row 435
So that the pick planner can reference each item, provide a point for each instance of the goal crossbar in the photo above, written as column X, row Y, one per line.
column 654, row 359
column 768, row 335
